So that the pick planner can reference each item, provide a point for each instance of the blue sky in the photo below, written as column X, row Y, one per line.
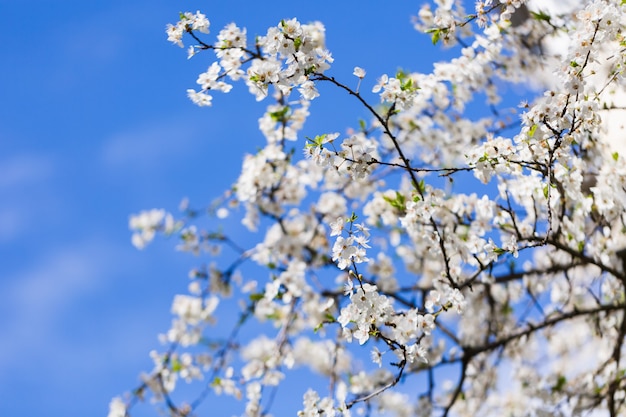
column 94, row 126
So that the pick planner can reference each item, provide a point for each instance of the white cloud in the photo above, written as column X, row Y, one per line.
column 43, row 303
column 67, row 286
column 25, row 169
column 37, row 296
column 147, row 146
column 71, row 323
column 12, row 223
column 25, row 183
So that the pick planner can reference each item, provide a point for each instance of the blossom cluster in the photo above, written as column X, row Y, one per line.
column 286, row 58
column 440, row 234
column 147, row 223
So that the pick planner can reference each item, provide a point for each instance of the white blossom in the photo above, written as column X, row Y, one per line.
column 453, row 232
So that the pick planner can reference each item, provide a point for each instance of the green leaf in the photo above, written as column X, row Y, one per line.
column 421, row 186
column 560, row 383
column 436, row 35
column 316, row 142
column 280, row 115
column 545, row 191
column 506, row 309
column 543, row 15
column 398, row 202
column 176, row 365
column 401, row 74
column 615, row 155
column 256, row 296
column 532, row 130
column 297, row 43
column 573, row 64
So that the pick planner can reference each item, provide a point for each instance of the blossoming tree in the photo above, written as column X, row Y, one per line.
column 376, row 278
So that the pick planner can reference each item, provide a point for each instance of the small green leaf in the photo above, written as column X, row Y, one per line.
column 280, row 115
column 316, row 142
column 615, row 155
column 560, row 383
column 421, row 186
column 545, row 191
column 542, row 16
column 256, row 296
column 407, row 85
column 401, row 74
column 398, row 202
column 436, row 35
column 297, row 43
column 176, row 365
column 532, row 130
column 506, row 309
